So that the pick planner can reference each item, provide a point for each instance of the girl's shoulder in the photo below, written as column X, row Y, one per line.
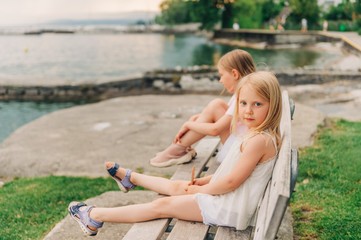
column 259, row 137
column 260, row 145
column 259, row 141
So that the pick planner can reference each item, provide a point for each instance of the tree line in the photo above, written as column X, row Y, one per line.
column 257, row 14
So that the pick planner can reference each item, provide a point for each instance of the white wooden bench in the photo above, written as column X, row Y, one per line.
column 269, row 213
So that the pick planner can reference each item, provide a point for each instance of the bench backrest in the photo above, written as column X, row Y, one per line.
column 278, row 191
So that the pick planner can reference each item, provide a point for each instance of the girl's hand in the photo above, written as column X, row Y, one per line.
column 194, row 118
column 199, row 181
column 192, row 189
column 180, row 133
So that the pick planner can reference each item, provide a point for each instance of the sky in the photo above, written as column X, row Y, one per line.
column 26, row 12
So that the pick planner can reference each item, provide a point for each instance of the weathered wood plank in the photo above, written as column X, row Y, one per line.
column 151, row 230
column 276, row 218
column 213, row 164
column 226, row 233
column 185, row 230
column 204, row 149
column 261, row 215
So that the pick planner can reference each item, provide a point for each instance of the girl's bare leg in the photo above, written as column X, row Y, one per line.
column 210, row 114
column 181, row 207
column 156, row 184
column 159, row 184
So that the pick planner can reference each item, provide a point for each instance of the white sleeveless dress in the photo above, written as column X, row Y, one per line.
column 236, row 208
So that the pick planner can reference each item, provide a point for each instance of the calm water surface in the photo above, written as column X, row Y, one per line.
column 15, row 114
column 99, row 56
column 94, row 56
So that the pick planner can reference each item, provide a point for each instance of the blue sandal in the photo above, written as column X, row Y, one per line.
column 82, row 217
column 124, row 184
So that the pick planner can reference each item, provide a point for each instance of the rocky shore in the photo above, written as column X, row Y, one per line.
column 200, row 80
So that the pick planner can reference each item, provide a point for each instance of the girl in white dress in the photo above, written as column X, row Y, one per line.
column 230, row 196
column 215, row 119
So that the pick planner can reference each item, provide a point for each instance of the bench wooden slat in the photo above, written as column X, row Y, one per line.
column 150, row 230
column 230, row 234
column 213, row 164
column 184, row 230
column 204, row 151
column 274, row 203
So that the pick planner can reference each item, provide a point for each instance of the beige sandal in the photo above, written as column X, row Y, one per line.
column 174, row 154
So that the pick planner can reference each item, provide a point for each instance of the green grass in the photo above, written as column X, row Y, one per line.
column 326, row 204
column 30, row 207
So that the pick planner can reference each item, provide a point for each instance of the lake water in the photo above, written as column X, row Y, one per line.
column 15, row 114
column 106, row 55
column 94, row 56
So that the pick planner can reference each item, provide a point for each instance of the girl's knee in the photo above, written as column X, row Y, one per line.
column 177, row 188
column 157, row 203
column 161, row 206
column 217, row 103
column 216, row 108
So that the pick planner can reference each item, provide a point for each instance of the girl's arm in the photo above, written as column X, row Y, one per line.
column 252, row 153
column 211, row 129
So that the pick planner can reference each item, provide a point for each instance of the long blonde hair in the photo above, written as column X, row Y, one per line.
column 239, row 60
column 267, row 86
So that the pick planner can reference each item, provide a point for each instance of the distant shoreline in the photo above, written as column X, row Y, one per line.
column 192, row 28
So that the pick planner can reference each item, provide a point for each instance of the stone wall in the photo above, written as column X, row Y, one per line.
column 169, row 81
column 81, row 92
